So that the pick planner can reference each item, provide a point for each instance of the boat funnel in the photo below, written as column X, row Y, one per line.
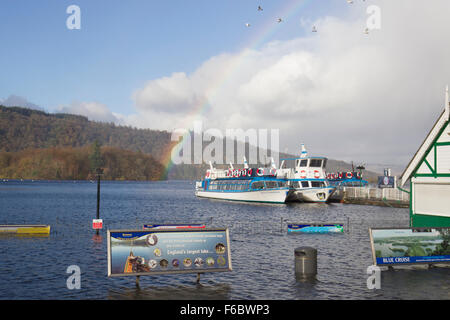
column 245, row 163
column 303, row 153
column 272, row 163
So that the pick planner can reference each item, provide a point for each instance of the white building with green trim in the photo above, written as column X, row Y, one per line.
column 428, row 174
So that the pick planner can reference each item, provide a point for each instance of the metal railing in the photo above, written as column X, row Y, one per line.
column 389, row 194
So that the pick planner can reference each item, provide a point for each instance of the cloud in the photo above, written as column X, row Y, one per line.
column 93, row 111
column 345, row 94
column 17, row 101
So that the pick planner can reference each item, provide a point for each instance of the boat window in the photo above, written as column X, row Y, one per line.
column 258, row 185
column 282, row 184
column 317, row 184
column 304, row 163
column 317, row 163
column 305, row 184
column 271, row 184
column 324, row 163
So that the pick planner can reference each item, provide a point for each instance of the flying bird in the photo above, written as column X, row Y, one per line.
column 260, row 9
column 247, row 24
column 279, row 20
column 350, row 1
column 314, row 29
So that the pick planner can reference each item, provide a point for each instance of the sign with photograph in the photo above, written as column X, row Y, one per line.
column 410, row 245
column 386, row 182
column 168, row 250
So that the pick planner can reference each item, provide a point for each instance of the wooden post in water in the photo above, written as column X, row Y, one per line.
column 137, row 282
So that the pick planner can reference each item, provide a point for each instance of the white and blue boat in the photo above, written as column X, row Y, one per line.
column 347, row 179
column 307, row 176
column 247, row 184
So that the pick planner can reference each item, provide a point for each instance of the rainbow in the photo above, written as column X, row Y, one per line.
column 261, row 38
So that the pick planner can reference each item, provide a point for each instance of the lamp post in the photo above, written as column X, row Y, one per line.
column 99, row 172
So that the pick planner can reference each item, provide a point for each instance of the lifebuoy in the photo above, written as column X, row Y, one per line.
column 349, row 175
column 340, row 175
column 316, row 174
column 260, row 171
column 249, row 172
column 303, row 174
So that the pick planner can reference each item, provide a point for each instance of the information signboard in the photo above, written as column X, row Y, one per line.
column 386, row 182
column 165, row 251
column 97, row 224
column 410, row 245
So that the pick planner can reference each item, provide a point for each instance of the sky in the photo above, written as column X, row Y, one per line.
column 349, row 95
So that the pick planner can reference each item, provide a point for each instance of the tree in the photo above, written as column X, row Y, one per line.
column 95, row 157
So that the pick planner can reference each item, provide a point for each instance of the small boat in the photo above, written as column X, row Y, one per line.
column 306, row 175
column 316, row 228
column 129, row 264
column 247, row 184
column 25, row 229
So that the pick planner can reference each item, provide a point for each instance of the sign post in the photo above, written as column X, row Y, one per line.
column 168, row 251
column 403, row 246
column 99, row 172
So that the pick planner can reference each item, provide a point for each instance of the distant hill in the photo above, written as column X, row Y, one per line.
column 67, row 163
column 22, row 128
column 27, row 135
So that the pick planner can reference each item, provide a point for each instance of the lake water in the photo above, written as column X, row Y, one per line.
column 261, row 250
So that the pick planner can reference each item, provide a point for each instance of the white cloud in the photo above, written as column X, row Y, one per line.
column 17, row 101
column 347, row 95
column 92, row 110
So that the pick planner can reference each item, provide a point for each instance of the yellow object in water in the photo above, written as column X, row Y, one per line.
column 25, row 229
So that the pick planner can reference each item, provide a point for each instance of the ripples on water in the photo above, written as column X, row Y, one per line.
column 262, row 251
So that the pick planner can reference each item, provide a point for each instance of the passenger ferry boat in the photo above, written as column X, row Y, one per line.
column 247, row 184
column 346, row 179
column 307, row 176
column 340, row 180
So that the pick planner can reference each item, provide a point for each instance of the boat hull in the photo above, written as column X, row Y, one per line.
column 312, row 194
column 268, row 196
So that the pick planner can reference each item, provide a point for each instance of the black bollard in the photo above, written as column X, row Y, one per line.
column 305, row 262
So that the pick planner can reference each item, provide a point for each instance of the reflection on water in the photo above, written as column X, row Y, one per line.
column 437, row 282
column 181, row 292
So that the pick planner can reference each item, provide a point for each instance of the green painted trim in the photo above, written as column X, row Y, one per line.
column 423, row 220
column 429, row 166
column 427, row 152
column 435, row 159
column 410, row 203
column 443, row 143
column 403, row 190
column 433, row 175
